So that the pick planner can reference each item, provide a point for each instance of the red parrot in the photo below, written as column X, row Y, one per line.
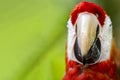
column 91, row 50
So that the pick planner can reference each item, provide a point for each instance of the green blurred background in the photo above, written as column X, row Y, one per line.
column 33, row 36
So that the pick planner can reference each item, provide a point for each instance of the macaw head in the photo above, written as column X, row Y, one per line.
column 89, row 34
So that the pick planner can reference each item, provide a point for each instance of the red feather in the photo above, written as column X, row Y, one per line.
column 105, row 70
column 88, row 7
column 100, row 71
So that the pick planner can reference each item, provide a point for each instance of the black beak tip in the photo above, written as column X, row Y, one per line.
column 84, row 60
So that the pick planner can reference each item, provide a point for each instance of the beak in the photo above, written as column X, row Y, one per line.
column 86, row 27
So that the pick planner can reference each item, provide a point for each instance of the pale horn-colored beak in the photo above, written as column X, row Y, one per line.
column 86, row 26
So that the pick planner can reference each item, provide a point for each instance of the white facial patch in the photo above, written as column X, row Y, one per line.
column 71, row 41
column 106, row 39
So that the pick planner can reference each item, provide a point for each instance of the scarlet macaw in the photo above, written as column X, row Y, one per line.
column 90, row 48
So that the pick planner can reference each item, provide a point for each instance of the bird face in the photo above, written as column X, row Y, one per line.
column 89, row 41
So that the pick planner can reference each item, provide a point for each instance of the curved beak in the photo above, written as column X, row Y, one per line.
column 86, row 27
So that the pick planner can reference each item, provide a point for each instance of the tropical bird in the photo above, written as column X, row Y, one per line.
column 91, row 50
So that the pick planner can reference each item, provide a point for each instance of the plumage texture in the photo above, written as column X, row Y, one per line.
column 101, row 71
column 104, row 70
column 88, row 7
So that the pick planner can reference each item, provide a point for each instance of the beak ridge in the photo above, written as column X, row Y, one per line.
column 86, row 31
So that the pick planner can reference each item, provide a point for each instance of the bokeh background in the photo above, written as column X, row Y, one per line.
column 33, row 36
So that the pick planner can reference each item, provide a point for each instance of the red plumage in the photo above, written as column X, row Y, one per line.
column 100, row 71
column 88, row 7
